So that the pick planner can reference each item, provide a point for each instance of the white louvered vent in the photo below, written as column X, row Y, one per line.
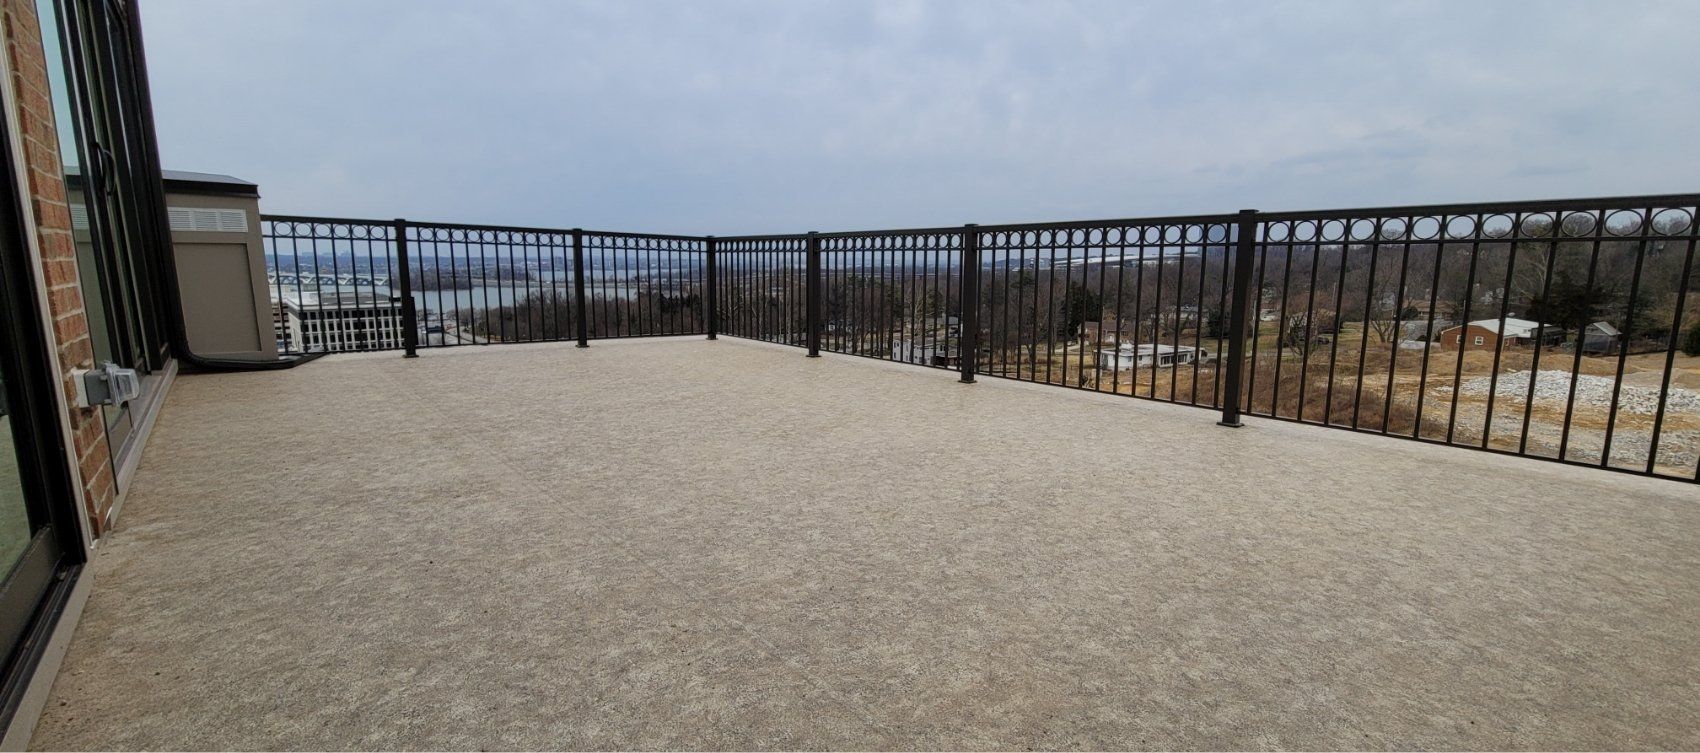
column 200, row 219
column 79, row 217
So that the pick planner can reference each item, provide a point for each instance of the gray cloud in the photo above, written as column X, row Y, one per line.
column 749, row 117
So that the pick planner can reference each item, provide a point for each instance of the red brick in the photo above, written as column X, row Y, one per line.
column 70, row 327
column 65, row 299
column 52, row 214
column 57, row 244
column 59, row 272
column 47, row 185
column 76, row 354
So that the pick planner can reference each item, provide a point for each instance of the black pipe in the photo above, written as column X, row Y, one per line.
column 166, row 260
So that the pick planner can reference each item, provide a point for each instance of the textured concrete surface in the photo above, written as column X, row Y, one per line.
column 727, row 545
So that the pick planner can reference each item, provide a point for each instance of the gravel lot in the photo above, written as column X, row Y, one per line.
column 1554, row 385
column 1679, row 449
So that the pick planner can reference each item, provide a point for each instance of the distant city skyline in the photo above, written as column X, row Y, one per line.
column 780, row 117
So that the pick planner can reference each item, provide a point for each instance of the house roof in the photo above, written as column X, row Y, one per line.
column 1604, row 328
column 1513, row 327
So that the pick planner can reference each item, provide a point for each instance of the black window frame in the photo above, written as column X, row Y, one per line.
column 119, row 182
column 37, row 590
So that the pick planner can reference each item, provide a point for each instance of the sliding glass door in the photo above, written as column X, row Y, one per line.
column 101, row 144
column 40, row 543
column 30, row 550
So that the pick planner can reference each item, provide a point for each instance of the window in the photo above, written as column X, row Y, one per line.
column 1478, row 339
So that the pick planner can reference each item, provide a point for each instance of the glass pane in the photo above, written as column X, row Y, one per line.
column 15, row 526
column 90, row 261
column 117, row 198
column 55, row 57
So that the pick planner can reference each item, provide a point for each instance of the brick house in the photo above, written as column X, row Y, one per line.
column 1487, row 334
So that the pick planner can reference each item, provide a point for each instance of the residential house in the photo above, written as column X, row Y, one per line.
column 1601, row 337
column 1488, row 334
column 927, row 352
column 1147, row 355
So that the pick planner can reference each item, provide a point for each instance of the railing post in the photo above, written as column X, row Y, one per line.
column 968, row 340
column 713, row 289
column 409, row 309
column 811, row 290
column 579, row 307
column 1245, row 245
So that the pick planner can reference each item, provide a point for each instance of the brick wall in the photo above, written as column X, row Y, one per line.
column 46, row 189
column 1450, row 338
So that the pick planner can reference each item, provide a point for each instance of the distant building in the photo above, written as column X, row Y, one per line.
column 1130, row 356
column 309, row 322
column 1098, row 333
column 1423, row 330
column 926, row 352
column 1601, row 337
column 1488, row 334
column 280, row 327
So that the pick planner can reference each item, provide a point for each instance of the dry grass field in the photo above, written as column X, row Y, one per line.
column 1492, row 395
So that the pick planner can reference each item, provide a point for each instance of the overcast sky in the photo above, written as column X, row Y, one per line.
column 752, row 117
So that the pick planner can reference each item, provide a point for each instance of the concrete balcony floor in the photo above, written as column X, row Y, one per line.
column 691, row 544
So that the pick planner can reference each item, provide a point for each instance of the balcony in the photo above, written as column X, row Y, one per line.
column 676, row 543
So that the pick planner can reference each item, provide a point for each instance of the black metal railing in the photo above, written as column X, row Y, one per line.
column 640, row 285
column 760, row 288
column 341, row 285
column 1546, row 329
column 1137, row 307
column 1561, row 330
column 894, row 296
column 476, row 285
column 335, row 284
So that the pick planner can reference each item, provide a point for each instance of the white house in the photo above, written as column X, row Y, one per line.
column 926, row 352
column 1131, row 356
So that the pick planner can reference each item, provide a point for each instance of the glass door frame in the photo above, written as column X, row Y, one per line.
column 35, row 592
column 117, row 183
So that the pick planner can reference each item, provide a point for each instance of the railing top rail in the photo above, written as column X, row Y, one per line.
column 559, row 231
column 1471, row 208
column 1192, row 219
column 949, row 229
column 896, row 231
column 1491, row 207
column 470, row 226
column 302, row 218
column 1007, row 227
column 656, row 236
column 765, row 237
